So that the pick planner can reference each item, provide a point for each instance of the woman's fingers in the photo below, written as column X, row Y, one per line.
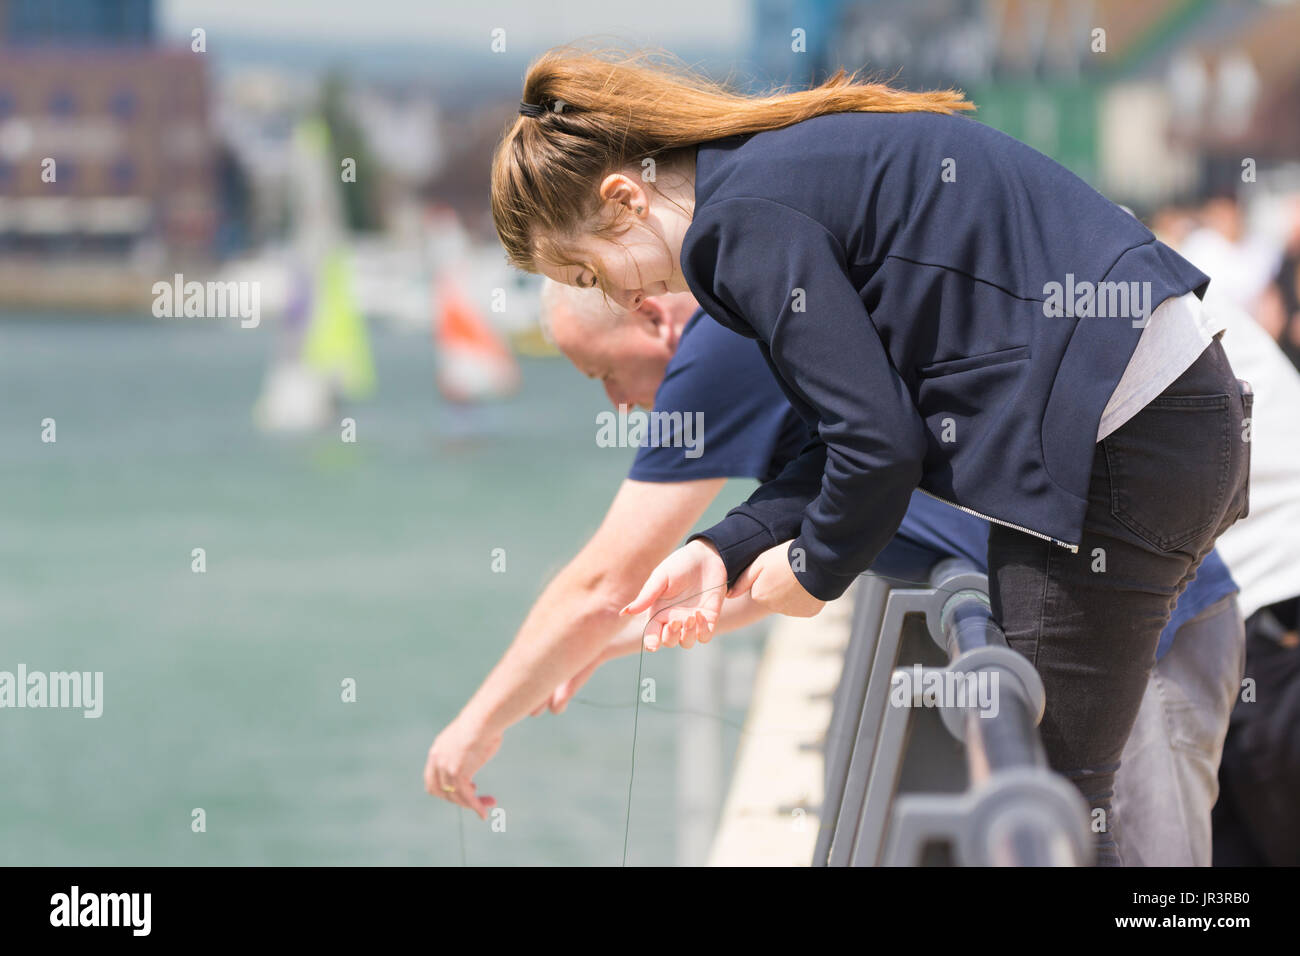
column 690, row 630
column 651, row 591
column 679, row 627
column 703, row 623
column 659, row 632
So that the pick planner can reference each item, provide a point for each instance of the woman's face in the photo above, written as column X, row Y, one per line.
column 642, row 261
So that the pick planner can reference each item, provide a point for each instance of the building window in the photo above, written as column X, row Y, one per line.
column 122, row 175
column 123, row 105
column 62, row 103
column 65, row 175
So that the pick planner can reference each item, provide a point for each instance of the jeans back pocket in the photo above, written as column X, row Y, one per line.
column 1169, row 468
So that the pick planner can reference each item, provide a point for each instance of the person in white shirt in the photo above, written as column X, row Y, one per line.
column 1263, row 549
column 1241, row 264
column 1257, row 818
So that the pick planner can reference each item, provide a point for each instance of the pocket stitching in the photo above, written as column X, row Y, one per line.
column 1000, row 357
column 1189, row 401
column 1248, row 408
column 1114, row 463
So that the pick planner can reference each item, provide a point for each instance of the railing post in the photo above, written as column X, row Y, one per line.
column 1014, row 810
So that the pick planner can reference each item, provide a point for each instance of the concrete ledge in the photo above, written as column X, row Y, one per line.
column 770, row 817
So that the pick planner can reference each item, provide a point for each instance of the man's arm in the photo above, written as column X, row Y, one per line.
column 578, row 612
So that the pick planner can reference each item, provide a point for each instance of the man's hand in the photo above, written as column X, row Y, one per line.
column 684, row 595
column 456, row 755
column 771, row 584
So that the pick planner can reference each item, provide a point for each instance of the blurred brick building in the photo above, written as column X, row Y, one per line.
column 85, row 84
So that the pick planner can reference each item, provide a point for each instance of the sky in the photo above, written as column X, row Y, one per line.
column 718, row 23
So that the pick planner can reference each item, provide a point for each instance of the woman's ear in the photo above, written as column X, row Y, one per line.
column 625, row 191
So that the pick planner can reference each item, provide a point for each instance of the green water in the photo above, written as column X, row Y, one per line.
column 324, row 561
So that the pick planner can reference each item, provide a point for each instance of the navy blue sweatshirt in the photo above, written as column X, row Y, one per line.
column 905, row 319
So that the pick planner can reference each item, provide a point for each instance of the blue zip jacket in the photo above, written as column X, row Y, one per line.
column 897, row 270
column 752, row 432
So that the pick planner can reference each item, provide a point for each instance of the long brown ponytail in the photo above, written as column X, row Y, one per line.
column 617, row 108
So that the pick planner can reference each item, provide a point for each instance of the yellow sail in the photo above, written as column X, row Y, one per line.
column 337, row 344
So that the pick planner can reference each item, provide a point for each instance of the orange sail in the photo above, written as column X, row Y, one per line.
column 473, row 362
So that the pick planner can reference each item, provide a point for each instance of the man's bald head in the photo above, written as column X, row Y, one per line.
column 627, row 351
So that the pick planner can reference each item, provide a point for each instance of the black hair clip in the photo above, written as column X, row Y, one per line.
column 537, row 109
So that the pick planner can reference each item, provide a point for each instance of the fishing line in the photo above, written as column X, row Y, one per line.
column 636, row 713
column 636, row 704
column 627, row 824
column 460, row 819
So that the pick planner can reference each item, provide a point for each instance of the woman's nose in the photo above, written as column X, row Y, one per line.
column 632, row 300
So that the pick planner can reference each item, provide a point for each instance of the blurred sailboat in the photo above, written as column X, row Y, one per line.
column 474, row 362
column 324, row 350
column 329, row 359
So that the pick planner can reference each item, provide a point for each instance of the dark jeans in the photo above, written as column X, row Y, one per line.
column 1164, row 485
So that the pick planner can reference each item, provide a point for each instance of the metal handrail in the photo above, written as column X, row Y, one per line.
column 1013, row 810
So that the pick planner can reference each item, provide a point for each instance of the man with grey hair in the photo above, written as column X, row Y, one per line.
column 667, row 355
column 628, row 352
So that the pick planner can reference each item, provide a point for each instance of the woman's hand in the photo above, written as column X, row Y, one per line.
column 772, row 585
column 456, row 755
column 684, row 595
